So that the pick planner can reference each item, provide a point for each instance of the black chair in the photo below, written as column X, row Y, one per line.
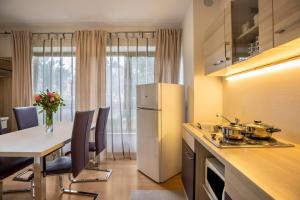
column 9, row 166
column 79, row 154
column 1, row 131
column 26, row 117
column 100, row 143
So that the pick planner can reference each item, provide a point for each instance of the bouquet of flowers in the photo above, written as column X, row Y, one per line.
column 50, row 102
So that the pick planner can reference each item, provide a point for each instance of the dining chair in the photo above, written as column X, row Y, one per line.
column 9, row 166
column 79, row 158
column 100, row 144
column 26, row 117
column 1, row 131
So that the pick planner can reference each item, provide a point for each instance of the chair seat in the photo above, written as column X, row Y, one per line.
column 59, row 166
column 10, row 165
column 92, row 146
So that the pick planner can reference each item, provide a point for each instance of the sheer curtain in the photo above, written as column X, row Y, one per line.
column 53, row 65
column 129, row 61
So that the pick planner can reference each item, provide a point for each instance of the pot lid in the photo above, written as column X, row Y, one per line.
column 233, row 126
column 258, row 124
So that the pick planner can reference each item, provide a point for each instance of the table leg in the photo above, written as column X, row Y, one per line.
column 39, row 179
column 1, row 189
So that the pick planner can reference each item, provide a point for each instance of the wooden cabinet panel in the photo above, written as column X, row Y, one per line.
column 214, row 46
column 228, row 34
column 237, row 186
column 286, row 15
column 188, row 170
column 201, row 155
column 265, row 22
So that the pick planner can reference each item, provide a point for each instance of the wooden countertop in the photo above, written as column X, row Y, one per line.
column 276, row 171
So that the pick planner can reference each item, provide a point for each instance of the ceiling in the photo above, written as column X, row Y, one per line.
column 113, row 12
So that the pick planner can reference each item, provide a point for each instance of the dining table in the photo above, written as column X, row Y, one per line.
column 37, row 143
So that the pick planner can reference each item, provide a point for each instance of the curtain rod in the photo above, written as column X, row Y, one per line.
column 117, row 32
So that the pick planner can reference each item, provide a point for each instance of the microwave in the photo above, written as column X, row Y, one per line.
column 214, row 179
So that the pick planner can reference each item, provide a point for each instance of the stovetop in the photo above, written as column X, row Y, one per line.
column 219, row 141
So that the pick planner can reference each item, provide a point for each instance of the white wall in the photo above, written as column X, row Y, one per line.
column 5, row 46
column 188, row 61
column 204, row 94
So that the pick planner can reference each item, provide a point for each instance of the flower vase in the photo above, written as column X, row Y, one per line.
column 49, row 121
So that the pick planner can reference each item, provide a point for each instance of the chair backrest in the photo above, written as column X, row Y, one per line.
column 26, row 117
column 0, row 128
column 80, row 141
column 100, row 129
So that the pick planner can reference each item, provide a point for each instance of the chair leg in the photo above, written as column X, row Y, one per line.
column 75, row 192
column 94, row 167
column 107, row 171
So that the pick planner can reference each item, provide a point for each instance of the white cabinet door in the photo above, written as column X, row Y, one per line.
column 148, row 143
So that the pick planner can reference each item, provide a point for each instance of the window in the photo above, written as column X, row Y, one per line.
column 130, row 61
column 54, row 69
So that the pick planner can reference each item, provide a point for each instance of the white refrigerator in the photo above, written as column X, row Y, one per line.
column 160, row 114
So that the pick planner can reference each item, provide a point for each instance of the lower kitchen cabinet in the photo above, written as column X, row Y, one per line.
column 240, row 187
column 188, row 170
column 201, row 155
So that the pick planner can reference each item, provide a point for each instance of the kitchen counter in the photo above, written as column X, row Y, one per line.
column 275, row 171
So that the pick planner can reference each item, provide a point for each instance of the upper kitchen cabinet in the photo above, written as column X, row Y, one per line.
column 265, row 23
column 245, row 29
column 286, row 15
column 218, row 42
column 249, row 34
column 214, row 45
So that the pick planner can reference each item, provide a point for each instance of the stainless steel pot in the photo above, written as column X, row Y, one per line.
column 232, row 131
column 259, row 130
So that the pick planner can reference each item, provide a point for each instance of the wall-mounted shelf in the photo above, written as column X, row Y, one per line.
column 248, row 36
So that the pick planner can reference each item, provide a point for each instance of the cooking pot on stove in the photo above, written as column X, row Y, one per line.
column 232, row 131
column 259, row 130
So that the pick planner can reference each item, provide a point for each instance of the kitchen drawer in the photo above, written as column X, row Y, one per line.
column 189, row 139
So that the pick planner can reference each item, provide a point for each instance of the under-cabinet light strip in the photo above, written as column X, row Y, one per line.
column 260, row 71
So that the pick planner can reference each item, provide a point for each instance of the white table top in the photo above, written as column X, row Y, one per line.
column 35, row 142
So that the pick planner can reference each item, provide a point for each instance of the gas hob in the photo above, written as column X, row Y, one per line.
column 218, row 140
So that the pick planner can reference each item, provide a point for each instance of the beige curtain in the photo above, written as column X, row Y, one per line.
column 21, row 69
column 167, row 56
column 90, row 69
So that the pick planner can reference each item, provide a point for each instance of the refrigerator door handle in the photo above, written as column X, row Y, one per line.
column 143, row 108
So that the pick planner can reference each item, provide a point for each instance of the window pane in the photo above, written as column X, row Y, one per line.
column 54, row 69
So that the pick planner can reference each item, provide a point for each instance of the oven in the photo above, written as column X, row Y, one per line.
column 214, row 179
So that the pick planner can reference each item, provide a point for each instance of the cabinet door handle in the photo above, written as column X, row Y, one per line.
column 218, row 62
column 189, row 156
column 282, row 30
